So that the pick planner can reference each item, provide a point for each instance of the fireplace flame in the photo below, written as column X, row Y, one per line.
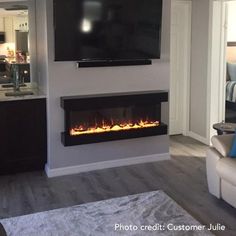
column 79, row 130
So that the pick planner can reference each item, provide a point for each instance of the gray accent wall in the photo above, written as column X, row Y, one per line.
column 64, row 79
column 42, row 46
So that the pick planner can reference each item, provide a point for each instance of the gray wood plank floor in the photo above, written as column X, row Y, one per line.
column 183, row 178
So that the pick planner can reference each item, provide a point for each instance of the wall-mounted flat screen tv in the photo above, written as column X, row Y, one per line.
column 107, row 29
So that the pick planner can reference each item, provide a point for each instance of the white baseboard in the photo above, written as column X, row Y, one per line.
column 104, row 165
column 198, row 137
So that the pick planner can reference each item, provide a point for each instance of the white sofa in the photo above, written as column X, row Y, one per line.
column 221, row 169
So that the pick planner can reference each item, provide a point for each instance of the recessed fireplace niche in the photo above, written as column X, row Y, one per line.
column 107, row 117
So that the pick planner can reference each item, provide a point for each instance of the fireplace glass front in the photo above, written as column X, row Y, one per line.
column 92, row 120
column 114, row 119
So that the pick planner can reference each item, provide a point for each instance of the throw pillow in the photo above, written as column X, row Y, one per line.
column 232, row 152
column 231, row 71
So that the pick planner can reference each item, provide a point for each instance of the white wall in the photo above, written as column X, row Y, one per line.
column 231, row 37
column 199, row 67
column 64, row 79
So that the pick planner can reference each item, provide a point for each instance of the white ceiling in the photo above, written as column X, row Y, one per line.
column 4, row 13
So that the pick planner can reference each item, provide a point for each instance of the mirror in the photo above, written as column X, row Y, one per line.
column 14, row 43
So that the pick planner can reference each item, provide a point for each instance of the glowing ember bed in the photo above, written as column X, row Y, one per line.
column 107, row 117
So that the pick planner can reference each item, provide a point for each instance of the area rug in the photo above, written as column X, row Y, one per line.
column 151, row 213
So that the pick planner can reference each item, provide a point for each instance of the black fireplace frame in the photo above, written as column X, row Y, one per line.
column 100, row 101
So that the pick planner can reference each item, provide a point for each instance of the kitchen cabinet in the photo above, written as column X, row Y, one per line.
column 2, row 27
column 23, row 136
column 8, row 23
column 20, row 23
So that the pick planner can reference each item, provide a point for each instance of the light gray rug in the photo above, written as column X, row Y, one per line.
column 100, row 218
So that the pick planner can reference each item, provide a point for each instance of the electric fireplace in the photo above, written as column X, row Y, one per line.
column 107, row 117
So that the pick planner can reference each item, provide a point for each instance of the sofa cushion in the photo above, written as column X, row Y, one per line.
column 226, row 169
column 223, row 143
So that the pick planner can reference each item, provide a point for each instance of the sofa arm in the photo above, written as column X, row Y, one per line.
column 222, row 143
column 213, row 178
column 2, row 231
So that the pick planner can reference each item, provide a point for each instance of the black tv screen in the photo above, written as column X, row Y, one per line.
column 107, row 29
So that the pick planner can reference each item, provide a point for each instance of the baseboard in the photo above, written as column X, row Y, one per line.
column 198, row 137
column 104, row 165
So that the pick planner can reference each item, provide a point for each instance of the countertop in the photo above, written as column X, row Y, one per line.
column 37, row 94
column 13, row 61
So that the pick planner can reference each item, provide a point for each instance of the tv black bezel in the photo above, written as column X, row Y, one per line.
column 110, row 60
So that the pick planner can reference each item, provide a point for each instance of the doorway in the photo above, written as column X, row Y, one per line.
column 221, row 102
column 230, row 105
column 18, row 24
column 14, row 49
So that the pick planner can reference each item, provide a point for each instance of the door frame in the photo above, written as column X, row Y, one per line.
column 217, row 59
column 186, row 79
